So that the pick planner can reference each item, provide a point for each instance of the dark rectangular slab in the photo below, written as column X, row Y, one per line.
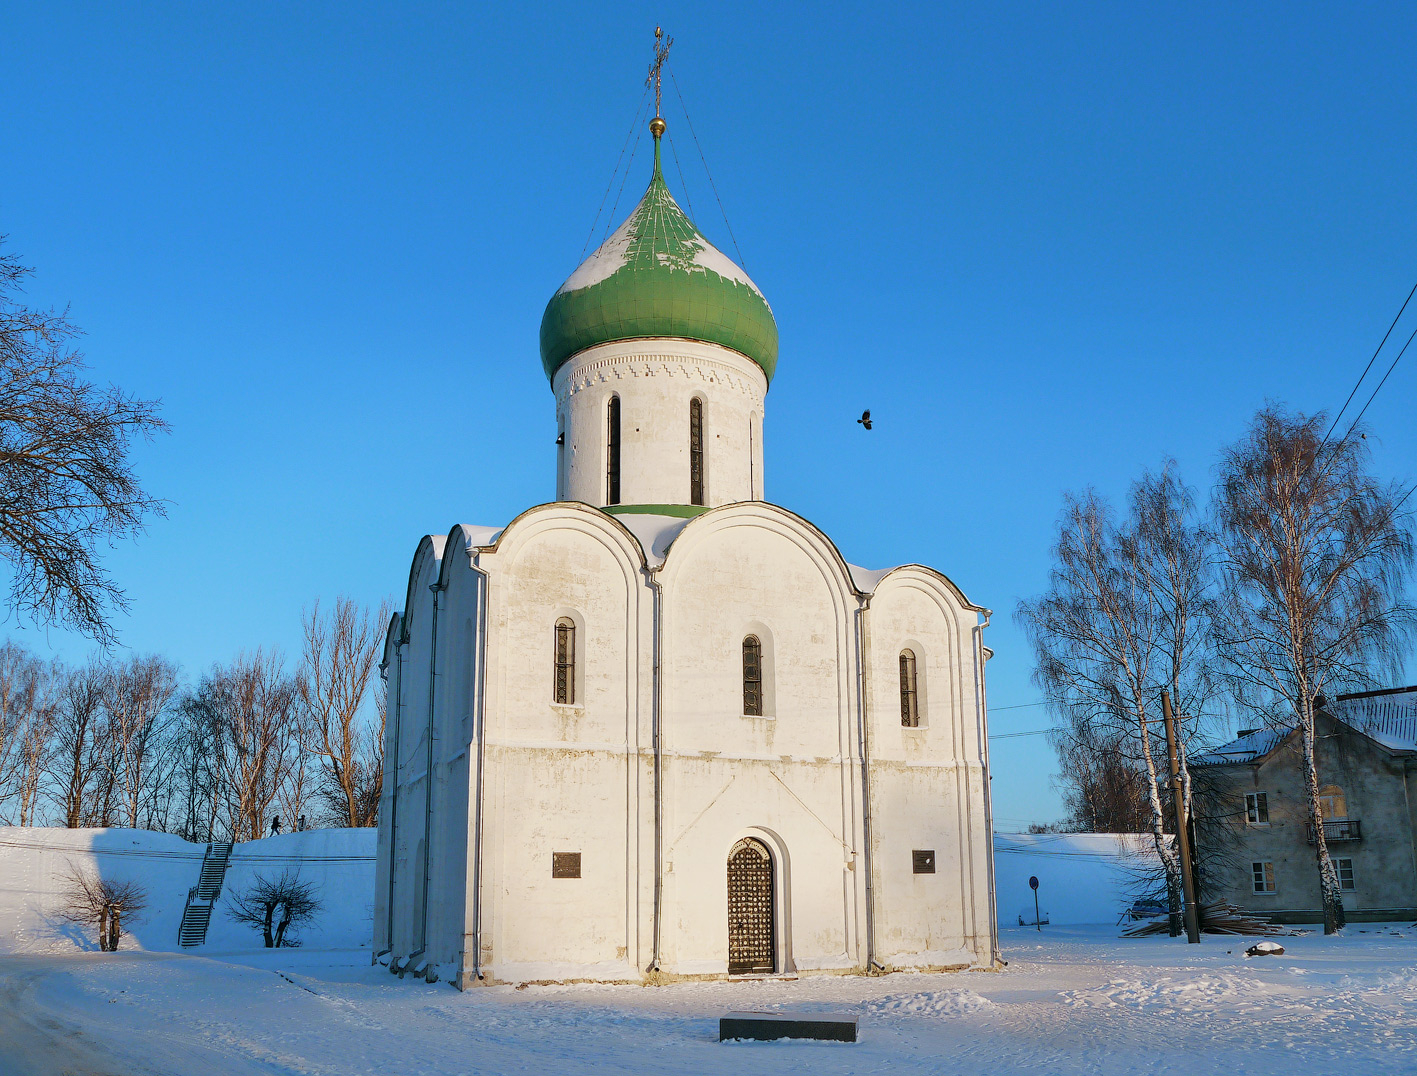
column 767, row 1026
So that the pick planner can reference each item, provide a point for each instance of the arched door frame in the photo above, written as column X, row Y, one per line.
column 781, row 895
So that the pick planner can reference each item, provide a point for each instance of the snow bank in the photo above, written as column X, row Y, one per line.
column 35, row 864
column 1082, row 877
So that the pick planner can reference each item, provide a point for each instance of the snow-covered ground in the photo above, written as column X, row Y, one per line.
column 1072, row 1000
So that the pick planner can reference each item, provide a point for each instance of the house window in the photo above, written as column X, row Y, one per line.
column 696, row 451
column 1263, row 876
column 612, row 452
column 565, row 661
column 752, row 677
column 1257, row 808
column 1344, row 869
column 1333, row 803
column 922, row 861
column 909, row 695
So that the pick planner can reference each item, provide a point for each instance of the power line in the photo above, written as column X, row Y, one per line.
column 1359, row 382
column 712, row 186
column 1012, row 735
column 1383, row 381
column 634, row 126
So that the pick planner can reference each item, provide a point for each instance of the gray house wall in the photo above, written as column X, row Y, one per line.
column 1380, row 787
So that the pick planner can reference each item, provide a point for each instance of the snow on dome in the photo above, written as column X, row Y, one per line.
column 657, row 276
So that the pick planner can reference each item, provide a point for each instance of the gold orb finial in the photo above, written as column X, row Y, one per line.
column 657, row 127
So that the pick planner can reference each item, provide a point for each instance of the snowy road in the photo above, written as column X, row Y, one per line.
column 1073, row 1001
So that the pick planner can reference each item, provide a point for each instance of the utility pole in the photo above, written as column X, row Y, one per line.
column 1183, row 842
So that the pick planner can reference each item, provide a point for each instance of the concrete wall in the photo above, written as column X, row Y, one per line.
column 1374, row 783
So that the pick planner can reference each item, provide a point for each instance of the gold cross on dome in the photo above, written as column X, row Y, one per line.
column 655, row 78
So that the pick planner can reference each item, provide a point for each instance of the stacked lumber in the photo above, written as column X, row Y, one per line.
column 1218, row 918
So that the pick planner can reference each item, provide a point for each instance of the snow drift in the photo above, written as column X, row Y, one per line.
column 35, row 865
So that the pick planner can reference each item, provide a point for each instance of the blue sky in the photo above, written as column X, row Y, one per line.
column 1046, row 245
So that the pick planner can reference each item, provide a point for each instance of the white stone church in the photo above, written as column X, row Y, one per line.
column 659, row 727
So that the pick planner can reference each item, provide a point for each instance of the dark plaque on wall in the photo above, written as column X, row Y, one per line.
column 568, row 865
column 923, row 860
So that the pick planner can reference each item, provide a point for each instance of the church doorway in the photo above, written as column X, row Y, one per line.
column 750, row 908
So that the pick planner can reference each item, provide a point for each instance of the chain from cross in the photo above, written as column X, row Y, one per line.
column 656, row 69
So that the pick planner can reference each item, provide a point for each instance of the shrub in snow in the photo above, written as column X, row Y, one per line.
column 104, row 903
column 274, row 905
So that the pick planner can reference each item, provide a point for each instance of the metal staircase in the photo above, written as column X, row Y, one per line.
column 202, row 897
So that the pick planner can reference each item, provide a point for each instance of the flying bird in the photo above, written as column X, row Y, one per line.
column 865, row 419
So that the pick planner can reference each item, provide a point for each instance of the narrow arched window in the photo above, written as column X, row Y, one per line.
column 696, row 451
column 565, row 661
column 612, row 452
column 752, row 677
column 909, row 691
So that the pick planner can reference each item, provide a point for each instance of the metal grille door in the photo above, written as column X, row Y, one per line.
column 750, row 940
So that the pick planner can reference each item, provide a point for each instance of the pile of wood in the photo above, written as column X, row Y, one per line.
column 1218, row 918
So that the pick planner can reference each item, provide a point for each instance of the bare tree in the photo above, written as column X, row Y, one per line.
column 1103, row 789
column 341, row 652
column 137, row 694
column 275, row 905
column 26, row 714
column 1115, row 628
column 251, row 706
column 1314, row 554
column 66, row 484
column 104, row 903
column 80, row 761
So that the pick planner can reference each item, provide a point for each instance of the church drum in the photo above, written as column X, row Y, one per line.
column 750, row 907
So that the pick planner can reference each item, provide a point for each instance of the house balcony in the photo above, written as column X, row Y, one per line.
column 1340, row 829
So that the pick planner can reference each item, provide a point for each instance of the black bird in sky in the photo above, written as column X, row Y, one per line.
column 865, row 419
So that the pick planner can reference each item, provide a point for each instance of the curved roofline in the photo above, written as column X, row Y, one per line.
column 722, row 509
column 435, row 544
column 949, row 583
column 575, row 507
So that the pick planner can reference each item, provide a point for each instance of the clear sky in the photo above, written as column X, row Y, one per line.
column 1046, row 245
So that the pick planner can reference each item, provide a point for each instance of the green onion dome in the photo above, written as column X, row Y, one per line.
column 658, row 276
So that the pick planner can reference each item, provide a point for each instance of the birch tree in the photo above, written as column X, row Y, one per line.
column 137, row 695
column 1314, row 554
column 1120, row 622
column 80, row 755
column 341, row 651
column 250, row 706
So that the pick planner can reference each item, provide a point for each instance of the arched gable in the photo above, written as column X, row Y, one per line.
column 427, row 560
column 802, row 532
column 943, row 580
column 576, row 517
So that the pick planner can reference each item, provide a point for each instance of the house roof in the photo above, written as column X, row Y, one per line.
column 1388, row 718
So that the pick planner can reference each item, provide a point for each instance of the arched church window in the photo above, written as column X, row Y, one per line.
column 909, row 691
column 612, row 452
column 752, row 677
column 696, row 451
column 565, row 690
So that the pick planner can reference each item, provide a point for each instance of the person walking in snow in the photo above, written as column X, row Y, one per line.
column 275, row 825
